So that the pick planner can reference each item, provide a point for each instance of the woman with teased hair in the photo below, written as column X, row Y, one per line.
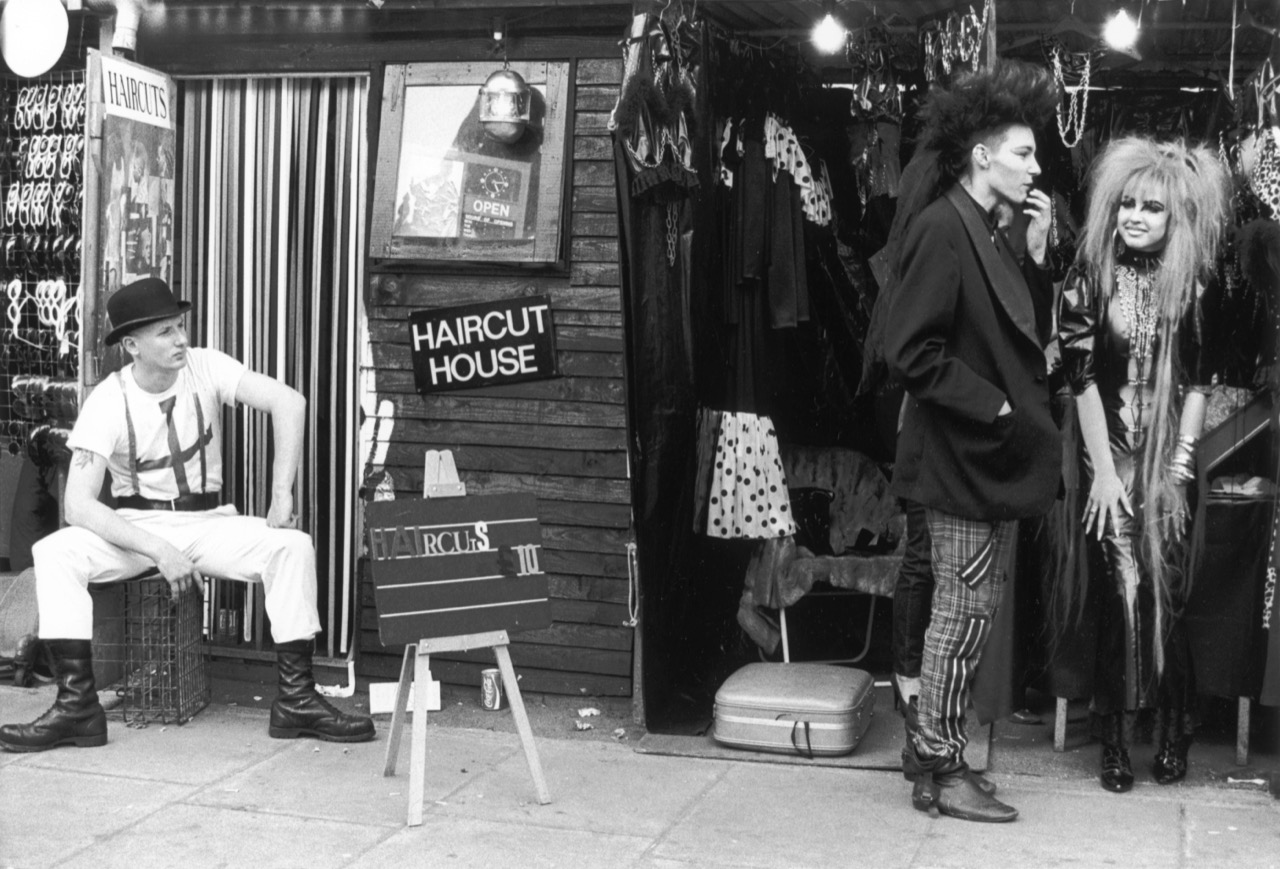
column 1130, row 326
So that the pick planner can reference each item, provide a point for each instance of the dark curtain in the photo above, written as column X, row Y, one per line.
column 663, row 412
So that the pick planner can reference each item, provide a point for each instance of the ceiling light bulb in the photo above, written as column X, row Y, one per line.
column 829, row 35
column 1121, row 31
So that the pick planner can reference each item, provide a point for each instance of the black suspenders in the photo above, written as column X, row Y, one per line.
column 133, row 439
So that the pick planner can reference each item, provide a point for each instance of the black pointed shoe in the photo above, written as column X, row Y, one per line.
column 949, row 788
column 957, row 794
column 1117, row 772
column 1171, row 762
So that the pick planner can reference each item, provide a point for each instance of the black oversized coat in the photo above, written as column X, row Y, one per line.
column 966, row 332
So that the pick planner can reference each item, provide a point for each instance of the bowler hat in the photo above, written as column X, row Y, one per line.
column 139, row 303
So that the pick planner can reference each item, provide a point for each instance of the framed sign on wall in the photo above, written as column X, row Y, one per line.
column 446, row 188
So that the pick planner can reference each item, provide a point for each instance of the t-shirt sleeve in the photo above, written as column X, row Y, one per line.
column 100, row 421
column 223, row 372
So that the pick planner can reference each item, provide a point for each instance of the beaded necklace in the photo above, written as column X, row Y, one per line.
column 1135, row 300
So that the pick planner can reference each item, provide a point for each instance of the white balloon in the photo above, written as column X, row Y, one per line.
column 33, row 34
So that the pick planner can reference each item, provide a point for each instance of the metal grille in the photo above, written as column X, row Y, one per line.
column 40, row 173
column 153, row 645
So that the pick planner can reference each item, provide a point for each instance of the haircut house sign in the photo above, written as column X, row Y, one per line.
column 466, row 346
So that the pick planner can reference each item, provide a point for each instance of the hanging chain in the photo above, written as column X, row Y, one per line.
column 673, row 231
column 1077, row 103
column 1269, row 590
column 633, row 587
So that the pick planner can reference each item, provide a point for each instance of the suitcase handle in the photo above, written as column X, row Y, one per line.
column 807, row 751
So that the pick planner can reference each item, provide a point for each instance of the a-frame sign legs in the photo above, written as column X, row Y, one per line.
column 415, row 670
column 522, row 720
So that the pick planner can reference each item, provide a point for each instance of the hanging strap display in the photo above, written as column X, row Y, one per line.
column 1269, row 589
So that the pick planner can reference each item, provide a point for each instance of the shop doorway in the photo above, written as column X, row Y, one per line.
column 272, row 206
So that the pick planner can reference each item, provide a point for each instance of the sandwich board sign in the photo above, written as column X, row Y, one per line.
column 455, row 566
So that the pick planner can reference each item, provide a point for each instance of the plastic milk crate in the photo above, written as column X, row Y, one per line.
column 147, row 651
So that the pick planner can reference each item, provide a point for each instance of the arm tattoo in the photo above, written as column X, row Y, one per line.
column 83, row 458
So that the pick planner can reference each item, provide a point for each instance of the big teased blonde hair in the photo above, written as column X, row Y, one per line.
column 1195, row 188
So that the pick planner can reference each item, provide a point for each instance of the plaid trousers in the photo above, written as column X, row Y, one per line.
column 969, row 557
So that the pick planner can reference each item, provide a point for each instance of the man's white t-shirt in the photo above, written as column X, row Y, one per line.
column 210, row 377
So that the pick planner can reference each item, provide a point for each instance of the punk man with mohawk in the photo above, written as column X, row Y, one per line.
column 966, row 329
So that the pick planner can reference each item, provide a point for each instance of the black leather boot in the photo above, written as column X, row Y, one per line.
column 1171, row 761
column 911, row 723
column 299, row 710
column 1117, row 772
column 76, row 717
column 947, row 787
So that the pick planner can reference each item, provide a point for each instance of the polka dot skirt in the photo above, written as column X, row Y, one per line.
column 748, row 496
column 783, row 150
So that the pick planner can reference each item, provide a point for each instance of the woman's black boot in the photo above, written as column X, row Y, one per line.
column 1117, row 772
column 1171, row 761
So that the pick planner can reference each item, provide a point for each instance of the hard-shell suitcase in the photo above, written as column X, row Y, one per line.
column 806, row 709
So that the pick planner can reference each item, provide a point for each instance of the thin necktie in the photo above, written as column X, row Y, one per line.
column 175, row 447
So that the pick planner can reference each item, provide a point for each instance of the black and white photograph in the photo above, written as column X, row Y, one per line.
column 669, row 434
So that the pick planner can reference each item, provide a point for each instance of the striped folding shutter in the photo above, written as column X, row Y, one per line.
column 273, row 199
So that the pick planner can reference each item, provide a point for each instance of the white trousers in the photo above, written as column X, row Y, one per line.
column 222, row 543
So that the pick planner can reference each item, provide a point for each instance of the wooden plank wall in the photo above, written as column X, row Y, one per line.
column 564, row 439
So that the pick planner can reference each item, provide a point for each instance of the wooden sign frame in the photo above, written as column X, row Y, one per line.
column 415, row 671
column 433, row 159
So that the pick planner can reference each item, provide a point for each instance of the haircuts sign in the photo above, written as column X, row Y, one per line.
column 129, row 194
column 452, row 566
column 485, row 344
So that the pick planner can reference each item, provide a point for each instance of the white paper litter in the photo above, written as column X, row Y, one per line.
column 588, row 711
column 340, row 690
column 583, row 725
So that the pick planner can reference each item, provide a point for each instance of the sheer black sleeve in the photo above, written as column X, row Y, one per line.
column 1079, row 325
column 1200, row 356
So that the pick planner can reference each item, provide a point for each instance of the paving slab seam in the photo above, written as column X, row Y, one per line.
column 34, row 764
column 108, row 776
column 680, row 816
column 70, row 859
column 1147, row 791
column 439, row 806
column 932, row 831
column 391, row 833
column 394, row 826
column 1184, row 836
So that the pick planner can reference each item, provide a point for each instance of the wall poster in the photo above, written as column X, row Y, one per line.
column 129, row 193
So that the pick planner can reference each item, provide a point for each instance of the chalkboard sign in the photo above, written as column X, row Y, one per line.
column 482, row 344
column 450, row 566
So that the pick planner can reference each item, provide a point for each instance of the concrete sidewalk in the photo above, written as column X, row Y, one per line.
column 217, row 792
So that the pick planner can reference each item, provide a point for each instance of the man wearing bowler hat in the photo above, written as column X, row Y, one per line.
column 156, row 426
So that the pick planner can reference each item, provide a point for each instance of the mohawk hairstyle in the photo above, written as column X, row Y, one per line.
column 979, row 103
